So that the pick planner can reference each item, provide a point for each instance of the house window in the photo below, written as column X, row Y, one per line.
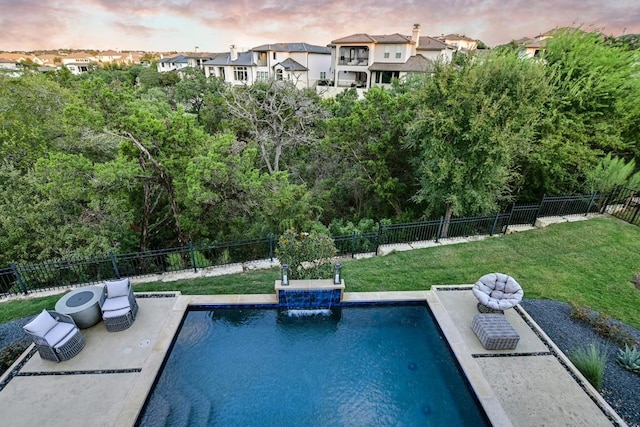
column 240, row 74
column 274, row 55
column 221, row 73
column 279, row 74
column 263, row 76
column 386, row 76
column 323, row 75
column 386, row 51
column 398, row 52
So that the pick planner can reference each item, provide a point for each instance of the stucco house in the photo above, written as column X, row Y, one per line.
column 363, row 60
column 304, row 64
column 172, row 63
column 459, row 42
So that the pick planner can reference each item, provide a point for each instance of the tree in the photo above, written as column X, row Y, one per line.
column 611, row 172
column 277, row 117
column 592, row 110
column 471, row 124
column 369, row 170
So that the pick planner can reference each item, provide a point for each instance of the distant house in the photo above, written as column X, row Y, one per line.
column 363, row 60
column 79, row 62
column 174, row 63
column 8, row 64
column 50, row 60
column 197, row 59
column 459, row 42
column 109, row 56
column 304, row 64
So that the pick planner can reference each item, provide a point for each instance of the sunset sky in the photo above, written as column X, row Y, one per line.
column 213, row 25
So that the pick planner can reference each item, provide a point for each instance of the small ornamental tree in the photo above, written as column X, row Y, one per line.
column 307, row 254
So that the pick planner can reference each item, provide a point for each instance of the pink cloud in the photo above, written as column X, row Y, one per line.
column 181, row 24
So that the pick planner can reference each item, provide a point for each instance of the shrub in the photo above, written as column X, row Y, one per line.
column 603, row 325
column 307, row 254
column 629, row 358
column 591, row 361
column 10, row 354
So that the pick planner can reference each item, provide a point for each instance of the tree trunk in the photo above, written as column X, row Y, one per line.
column 447, row 221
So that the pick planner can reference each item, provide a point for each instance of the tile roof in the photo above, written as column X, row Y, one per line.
column 291, row 65
column 292, row 47
column 429, row 43
column 244, row 59
column 366, row 38
column 415, row 64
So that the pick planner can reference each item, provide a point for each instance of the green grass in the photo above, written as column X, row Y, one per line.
column 587, row 263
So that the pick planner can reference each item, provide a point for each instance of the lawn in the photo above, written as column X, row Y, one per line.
column 588, row 263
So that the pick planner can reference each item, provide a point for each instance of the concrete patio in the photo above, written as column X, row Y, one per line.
column 108, row 382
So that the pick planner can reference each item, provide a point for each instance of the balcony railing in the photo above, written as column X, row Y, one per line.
column 355, row 62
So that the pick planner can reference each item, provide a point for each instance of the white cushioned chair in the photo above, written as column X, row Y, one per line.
column 497, row 292
column 55, row 335
column 120, row 308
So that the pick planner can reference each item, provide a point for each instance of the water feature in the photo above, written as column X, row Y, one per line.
column 372, row 365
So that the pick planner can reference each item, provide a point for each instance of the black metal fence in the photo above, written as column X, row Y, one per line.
column 30, row 277
column 624, row 203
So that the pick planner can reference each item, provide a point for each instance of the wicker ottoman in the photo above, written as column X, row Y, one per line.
column 495, row 332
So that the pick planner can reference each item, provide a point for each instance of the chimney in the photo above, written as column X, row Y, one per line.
column 415, row 38
column 234, row 52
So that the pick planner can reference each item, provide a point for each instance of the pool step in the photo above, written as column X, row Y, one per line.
column 160, row 413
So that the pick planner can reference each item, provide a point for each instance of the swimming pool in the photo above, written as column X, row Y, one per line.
column 363, row 365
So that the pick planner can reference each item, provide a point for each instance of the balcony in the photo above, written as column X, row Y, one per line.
column 358, row 61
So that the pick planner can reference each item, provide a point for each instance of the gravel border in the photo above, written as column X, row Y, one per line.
column 621, row 387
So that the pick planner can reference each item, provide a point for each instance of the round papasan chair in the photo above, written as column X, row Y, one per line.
column 497, row 292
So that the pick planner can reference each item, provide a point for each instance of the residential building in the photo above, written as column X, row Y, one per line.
column 8, row 64
column 304, row 64
column 79, row 62
column 174, row 63
column 363, row 60
column 458, row 42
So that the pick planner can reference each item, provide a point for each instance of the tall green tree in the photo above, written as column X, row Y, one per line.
column 472, row 122
column 368, row 170
column 592, row 110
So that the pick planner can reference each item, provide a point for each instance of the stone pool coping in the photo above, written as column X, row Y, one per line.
column 108, row 382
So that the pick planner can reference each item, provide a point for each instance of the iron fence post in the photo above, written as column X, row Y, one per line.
column 593, row 198
column 114, row 263
column 513, row 206
column 635, row 214
column 495, row 223
column 379, row 239
column 14, row 268
column 353, row 245
column 193, row 257
column 535, row 218
column 440, row 225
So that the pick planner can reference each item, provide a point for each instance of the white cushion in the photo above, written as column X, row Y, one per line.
column 115, row 313
column 117, row 303
column 60, row 334
column 498, row 291
column 42, row 324
column 117, row 288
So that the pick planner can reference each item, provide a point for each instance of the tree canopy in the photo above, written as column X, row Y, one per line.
column 128, row 159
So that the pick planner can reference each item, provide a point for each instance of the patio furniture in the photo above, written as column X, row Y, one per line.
column 83, row 305
column 55, row 335
column 497, row 292
column 120, row 308
column 495, row 332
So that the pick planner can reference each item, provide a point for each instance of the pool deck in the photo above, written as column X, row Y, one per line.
column 107, row 383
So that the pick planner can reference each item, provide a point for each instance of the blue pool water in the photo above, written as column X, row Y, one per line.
column 361, row 366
